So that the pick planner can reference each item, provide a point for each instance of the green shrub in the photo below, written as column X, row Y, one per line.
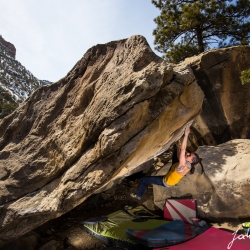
column 245, row 76
column 8, row 108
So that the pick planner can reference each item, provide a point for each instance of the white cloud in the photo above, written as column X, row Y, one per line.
column 52, row 35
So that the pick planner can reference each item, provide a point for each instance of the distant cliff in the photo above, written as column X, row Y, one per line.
column 9, row 47
column 16, row 82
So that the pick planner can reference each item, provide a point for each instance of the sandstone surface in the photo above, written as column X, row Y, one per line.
column 226, row 108
column 113, row 112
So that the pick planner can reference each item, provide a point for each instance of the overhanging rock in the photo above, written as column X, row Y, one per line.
column 117, row 108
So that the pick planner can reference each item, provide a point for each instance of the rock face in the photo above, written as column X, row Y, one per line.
column 223, row 189
column 9, row 47
column 115, row 110
column 226, row 108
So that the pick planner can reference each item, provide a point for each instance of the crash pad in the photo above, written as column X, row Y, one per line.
column 214, row 239
column 180, row 209
column 167, row 234
column 142, row 212
column 118, row 232
column 114, row 227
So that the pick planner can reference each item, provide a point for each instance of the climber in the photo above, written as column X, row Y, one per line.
column 182, row 163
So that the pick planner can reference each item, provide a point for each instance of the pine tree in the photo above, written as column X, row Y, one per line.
column 188, row 27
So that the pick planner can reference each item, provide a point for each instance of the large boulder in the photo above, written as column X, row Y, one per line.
column 223, row 189
column 226, row 108
column 115, row 110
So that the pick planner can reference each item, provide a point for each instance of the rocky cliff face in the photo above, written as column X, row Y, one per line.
column 115, row 110
column 16, row 82
column 9, row 47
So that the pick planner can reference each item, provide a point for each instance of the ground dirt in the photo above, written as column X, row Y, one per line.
column 66, row 232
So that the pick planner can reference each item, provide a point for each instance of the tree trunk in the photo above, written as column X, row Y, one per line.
column 199, row 39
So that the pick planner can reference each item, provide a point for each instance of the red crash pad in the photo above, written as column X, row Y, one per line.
column 180, row 209
column 214, row 239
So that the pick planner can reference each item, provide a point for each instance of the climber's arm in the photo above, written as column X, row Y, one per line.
column 182, row 157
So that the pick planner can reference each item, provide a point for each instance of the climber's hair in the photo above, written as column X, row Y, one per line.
column 196, row 159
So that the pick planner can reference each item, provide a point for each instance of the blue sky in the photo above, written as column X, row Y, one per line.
column 50, row 36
